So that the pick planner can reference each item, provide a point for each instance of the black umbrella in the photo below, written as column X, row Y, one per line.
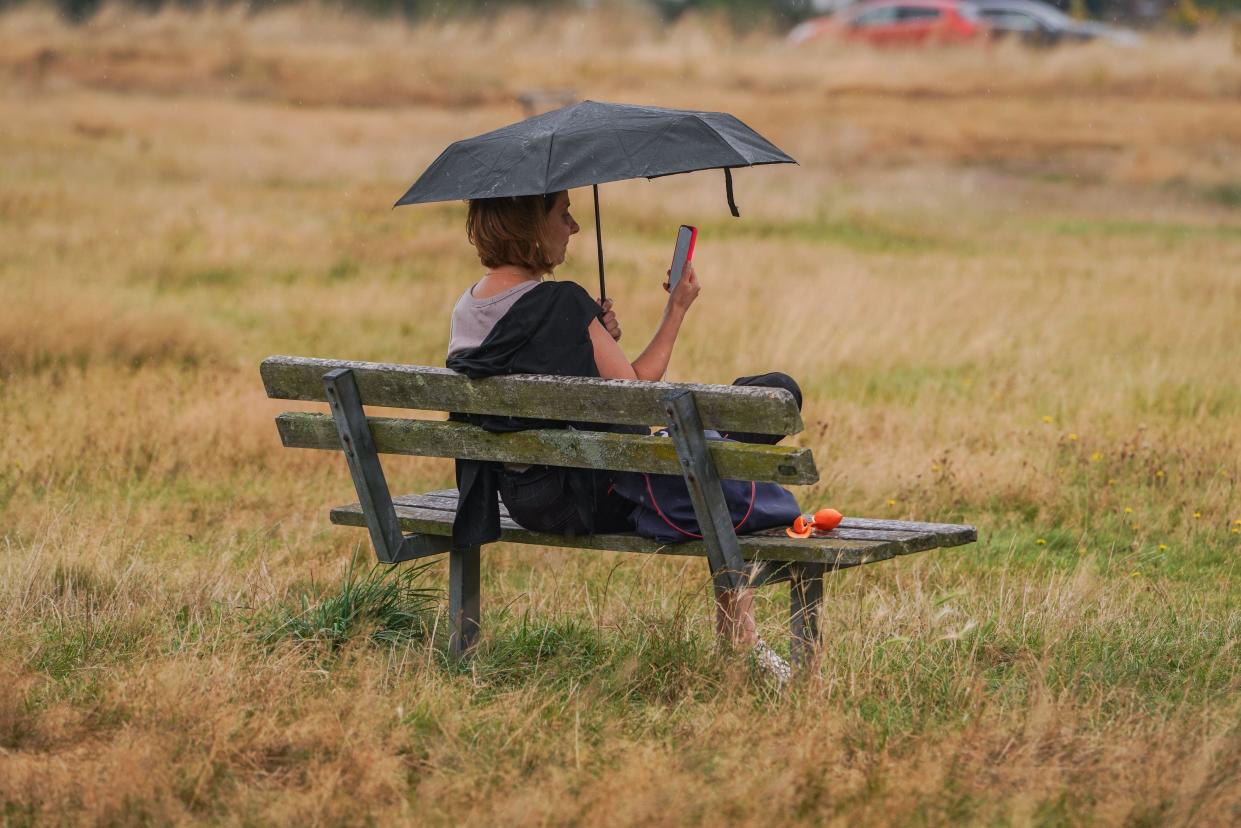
column 592, row 143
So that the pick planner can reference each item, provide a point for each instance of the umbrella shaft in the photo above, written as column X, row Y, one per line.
column 603, row 292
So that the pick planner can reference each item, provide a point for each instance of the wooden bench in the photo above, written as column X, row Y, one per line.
column 686, row 409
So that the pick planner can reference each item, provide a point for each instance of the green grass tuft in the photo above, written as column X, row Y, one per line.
column 386, row 605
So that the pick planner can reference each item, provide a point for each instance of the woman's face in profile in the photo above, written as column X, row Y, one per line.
column 560, row 225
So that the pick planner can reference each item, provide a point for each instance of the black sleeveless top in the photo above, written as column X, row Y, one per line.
column 547, row 331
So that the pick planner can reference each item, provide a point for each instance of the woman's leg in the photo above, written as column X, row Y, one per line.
column 540, row 500
column 734, row 616
column 774, row 379
column 560, row 501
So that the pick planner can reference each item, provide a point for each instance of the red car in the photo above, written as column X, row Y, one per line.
column 898, row 22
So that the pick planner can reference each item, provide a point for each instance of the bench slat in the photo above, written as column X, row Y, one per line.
column 840, row 553
column 913, row 541
column 944, row 534
column 576, row 399
column 433, row 514
column 582, row 449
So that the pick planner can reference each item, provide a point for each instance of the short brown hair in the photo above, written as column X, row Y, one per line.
column 511, row 231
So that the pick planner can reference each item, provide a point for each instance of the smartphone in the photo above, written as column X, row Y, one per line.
column 682, row 254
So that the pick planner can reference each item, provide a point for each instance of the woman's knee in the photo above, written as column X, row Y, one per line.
column 774, row 379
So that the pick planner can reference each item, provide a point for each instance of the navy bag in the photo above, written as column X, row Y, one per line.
column 664, row 512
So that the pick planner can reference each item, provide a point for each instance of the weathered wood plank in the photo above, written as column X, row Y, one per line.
column 576, row 399
column 558, row 447
column 836, row 553
column 948, row 534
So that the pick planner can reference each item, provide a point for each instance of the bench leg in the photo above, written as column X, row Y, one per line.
column 463, row 600
column 806, row 596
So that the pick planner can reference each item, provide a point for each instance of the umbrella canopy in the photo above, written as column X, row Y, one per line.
column 592, row 143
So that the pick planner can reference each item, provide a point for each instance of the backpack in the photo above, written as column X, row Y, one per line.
column 664, row 511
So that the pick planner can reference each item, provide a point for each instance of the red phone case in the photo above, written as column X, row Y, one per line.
column 689, row 253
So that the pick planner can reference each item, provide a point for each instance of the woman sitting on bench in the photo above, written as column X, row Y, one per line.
column 512, row 321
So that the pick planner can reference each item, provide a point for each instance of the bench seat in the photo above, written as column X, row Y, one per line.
column 856, row 541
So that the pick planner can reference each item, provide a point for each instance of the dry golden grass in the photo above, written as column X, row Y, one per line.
column 1009, row 282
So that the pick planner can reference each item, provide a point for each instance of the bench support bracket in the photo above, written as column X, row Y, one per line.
column 391, row 545
column 718, row 536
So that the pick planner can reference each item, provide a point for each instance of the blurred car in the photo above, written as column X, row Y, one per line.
column 898, row 23
column 1041, row 24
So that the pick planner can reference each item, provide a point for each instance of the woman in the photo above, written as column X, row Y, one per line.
column 513, row 322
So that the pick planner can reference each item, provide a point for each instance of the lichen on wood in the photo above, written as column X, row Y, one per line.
column 576, row 399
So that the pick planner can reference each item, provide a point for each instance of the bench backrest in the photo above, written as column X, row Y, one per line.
column 725, row 408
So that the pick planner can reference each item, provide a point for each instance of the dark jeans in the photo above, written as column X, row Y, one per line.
column 565, row 501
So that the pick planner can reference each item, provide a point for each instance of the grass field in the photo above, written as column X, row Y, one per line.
column 1009, row 281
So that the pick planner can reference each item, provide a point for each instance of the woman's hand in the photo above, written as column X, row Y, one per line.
column 609, row 319
column 652, row 364
column 686, row 291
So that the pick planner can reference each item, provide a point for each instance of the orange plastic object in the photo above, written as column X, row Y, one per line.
column 800, row 529
column 825, row 520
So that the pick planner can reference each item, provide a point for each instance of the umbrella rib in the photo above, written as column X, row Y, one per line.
column 471, row 149
column 710, row 131
column 621, row 146
column 547, row 168
column 715, row 133
column 664, row 130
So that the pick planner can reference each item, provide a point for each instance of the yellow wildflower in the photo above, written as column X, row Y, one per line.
column 1128, row 510
column 1096, row 457
column 1041, row 542
column 1072, row 437
column 1163, row 547
column 1197, row 514
column 891, row 501
column 1047, row 418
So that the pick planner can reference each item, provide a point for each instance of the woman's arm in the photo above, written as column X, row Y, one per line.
column 653, row 362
